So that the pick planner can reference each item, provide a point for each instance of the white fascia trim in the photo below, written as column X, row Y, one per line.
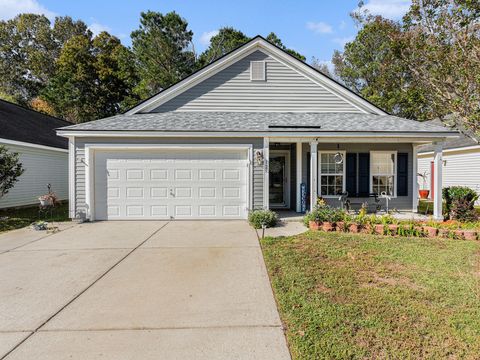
column 71, row 177
column 259, row 44
column 416, row 137
column 194, row 79
column 90, row 165
column 35, row 146
column 102, row 146
column 465, row 148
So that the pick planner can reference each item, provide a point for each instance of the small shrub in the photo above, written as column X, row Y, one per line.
column 324, row 213
column 463, row 210
column 460, row 203
column 258, row 218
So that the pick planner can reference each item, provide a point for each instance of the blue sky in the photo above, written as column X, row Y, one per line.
column 313, row 28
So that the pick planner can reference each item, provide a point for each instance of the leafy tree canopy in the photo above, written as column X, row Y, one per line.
column 229, row 39
column 426, row 66
column 29, row 48
column 162, row 46
column 94, row 79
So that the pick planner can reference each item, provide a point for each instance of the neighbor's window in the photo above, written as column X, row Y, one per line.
column 331, row 172
column 383, row 165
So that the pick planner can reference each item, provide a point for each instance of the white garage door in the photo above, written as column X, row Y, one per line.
column 171, row 184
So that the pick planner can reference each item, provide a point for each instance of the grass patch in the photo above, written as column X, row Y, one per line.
column 18, row 218
column 352, row 296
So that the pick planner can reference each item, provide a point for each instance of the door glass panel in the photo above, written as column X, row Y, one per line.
column 277, row 180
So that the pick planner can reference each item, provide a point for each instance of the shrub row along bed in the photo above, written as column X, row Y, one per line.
column 326, row 218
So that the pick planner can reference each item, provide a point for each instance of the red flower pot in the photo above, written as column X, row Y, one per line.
column 443, row 233
column 423, row 194
column 393, row 229
column 328, row 226
column 354, row 228
column 430, row 231
column 366, row 229
column 314, row 225
column 379, row 228
column 470, row 234
column 340, row 226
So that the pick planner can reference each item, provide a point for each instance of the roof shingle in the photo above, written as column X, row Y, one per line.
column 258, row 122
column 20, row 124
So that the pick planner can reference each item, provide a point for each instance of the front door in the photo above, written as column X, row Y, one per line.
column 279, row 179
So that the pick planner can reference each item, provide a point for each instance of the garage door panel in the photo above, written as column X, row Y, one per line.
column 162, row 188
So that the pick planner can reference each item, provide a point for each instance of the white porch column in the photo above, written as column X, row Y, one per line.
column 415, row 178
column 313, row 173
column 437, row 167
column 299, row 175
column 266, row 177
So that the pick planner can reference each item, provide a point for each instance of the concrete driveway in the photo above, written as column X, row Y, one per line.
column 137, row 290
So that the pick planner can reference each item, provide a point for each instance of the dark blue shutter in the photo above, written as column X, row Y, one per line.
column 351, row 171
column 363, row 174
column 402, row 174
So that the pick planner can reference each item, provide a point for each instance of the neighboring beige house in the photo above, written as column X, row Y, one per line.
column 461, row 164
column 43, row 154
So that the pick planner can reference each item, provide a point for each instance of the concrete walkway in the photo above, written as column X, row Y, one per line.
column 137, row 290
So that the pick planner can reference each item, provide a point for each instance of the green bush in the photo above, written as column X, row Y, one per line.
column 460, row 203
column 258, row 218
column 324, row 213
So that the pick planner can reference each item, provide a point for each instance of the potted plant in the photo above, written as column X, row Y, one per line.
column 315, row 218
column 329, row 219
column 431, row 229
column 423, row 193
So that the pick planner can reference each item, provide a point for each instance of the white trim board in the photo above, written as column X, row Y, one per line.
column 35, row 146
column 90, row 165
column 256, row 44
column 330, row 136
column 451, row 150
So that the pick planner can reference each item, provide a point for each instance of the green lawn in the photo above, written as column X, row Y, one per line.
column 352, row 296
column 18, row 218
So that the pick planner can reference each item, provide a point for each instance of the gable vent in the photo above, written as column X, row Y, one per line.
column 257, row 70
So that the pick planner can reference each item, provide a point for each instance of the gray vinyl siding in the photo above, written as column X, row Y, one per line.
column 400, row 202
column 232, row 90
column 42, row 167
column 80, row 196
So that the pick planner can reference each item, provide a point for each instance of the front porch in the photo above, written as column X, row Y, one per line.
column 297, row 172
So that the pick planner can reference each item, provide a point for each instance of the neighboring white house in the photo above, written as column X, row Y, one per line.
column 461, row 164
column 43, row 154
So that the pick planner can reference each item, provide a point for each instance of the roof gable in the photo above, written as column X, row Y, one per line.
column 284, row 89
column 291, row 85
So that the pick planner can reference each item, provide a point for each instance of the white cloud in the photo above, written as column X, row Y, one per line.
column 343, row 25
column 11, row 8
column 392, row 9
column 97, row 28
column 319, row 27
column 343, row 40
column 206, row 36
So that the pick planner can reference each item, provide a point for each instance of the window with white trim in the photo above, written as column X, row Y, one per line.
column 383, row 172
column 331, row 171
